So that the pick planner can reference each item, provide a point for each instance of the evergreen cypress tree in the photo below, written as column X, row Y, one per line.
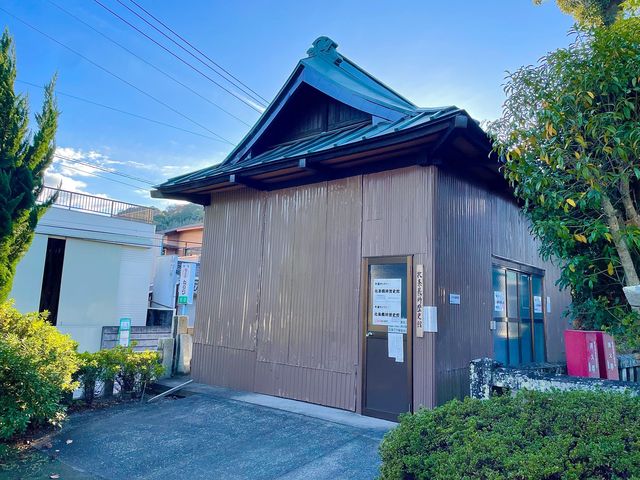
column 24, row 157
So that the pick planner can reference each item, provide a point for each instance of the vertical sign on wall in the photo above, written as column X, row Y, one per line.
column 419, row 301
column 187, row 280
column 124, row 332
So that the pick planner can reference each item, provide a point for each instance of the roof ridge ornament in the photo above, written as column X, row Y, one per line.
column 324, row 46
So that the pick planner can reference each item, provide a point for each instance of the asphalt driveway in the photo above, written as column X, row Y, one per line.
column 217, row 433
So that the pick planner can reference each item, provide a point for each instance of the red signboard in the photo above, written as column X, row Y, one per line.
column 607, row 356
column 582, row 353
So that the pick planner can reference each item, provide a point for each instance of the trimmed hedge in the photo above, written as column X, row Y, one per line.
column 533, row 435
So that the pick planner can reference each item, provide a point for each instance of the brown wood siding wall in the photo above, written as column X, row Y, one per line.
column 280, row 284
column 280, row 279
column 472, row 225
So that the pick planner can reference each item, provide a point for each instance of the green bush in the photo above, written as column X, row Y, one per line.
column 95, row 368
column 37, row 364
column 133, row 370
column 533, row 435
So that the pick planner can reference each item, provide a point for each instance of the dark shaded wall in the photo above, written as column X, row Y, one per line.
column 472, row 225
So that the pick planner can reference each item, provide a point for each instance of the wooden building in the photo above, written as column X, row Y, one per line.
column 344, row 211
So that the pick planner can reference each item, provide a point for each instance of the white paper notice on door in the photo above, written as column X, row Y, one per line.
column 386, row 300
column 498, row 301
column 395, row 344
column 537, row 304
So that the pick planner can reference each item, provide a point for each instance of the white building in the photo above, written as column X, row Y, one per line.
column 90, row 264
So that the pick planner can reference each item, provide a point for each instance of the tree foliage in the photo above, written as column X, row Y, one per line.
column 23, row 159
column 595, row 12
column 570, row 133
column 177, row 216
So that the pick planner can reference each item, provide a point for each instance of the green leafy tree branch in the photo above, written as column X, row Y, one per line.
column 570, row 135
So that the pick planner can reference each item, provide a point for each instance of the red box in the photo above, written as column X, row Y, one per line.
column 582, row 353
column 607, row 356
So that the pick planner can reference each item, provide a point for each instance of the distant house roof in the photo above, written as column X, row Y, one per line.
column 394, row 121
column 184, row 228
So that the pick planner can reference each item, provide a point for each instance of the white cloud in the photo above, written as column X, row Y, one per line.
column 58, row 180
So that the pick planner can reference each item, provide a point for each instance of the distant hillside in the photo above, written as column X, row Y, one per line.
column 178, row 216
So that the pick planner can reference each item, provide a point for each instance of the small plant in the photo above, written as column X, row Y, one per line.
column 96, row 371
column 133, row 371
column 37, row 364
column 532, row 435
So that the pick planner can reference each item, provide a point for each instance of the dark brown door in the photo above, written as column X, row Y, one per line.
column 387, row 378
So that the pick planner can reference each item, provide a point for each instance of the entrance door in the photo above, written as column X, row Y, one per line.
column 387, row 375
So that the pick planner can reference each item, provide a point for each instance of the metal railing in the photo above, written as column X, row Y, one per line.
column 99, row 205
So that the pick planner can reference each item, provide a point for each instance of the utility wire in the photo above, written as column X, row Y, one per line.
column 104, row 169
column 93, row 230
column 236, row 79
column 104, row 69
column 135, row 115
column 246, row 102
column 163, row 72
column 93, row 174
column 257, row 101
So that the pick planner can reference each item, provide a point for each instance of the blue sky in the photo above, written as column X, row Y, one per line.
column 434, row 53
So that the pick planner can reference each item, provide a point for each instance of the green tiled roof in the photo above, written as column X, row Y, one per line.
column 336, row 76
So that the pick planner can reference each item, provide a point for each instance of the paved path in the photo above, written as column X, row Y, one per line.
column 220, row 434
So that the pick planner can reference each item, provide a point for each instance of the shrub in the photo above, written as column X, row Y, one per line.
column 133, row 370
column 533, row 435
column 37, row 364
column 95, row 368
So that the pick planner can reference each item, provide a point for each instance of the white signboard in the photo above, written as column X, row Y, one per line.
column 430, row 314
column 498, row 301
column 419, row 301
column 537, row 304
column 397, row 326
column 387, row 300
column 395, row 344
column 124, row 332
column 186, row 284
column 548, row 304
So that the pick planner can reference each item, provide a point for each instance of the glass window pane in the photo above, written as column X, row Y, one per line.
column 499, row 293
column 538, row 333
column 526, row 341
column 512, row 294
column 500, row 343
column 525, row 296
column 536, row 287
column 514, row 344
column 538, row 318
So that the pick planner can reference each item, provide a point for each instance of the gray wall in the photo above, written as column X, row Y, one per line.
column 471, row 226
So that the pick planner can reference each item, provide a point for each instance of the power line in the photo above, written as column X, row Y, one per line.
column 259, row 102
column 104, row 69
column 177, row 56
column 152, row 243
column 168, row 75
column 200, row 52
column 135, row 115
column 93, row 174
column 104, row 169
